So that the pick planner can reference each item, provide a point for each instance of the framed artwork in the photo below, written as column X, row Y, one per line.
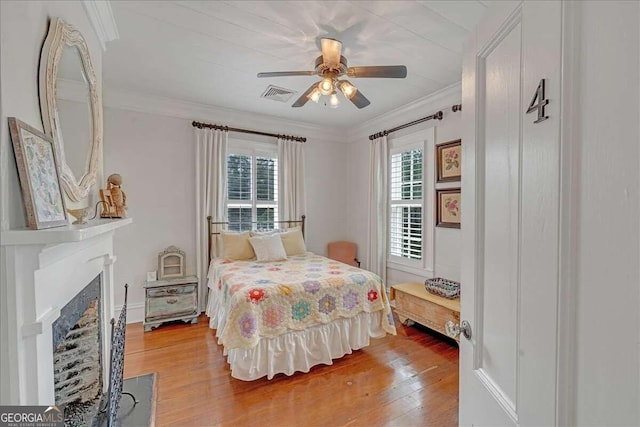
column 449, row 161
column 448, row 208
column 38, row 173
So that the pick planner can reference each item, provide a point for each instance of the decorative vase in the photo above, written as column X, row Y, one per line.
column 80, row 215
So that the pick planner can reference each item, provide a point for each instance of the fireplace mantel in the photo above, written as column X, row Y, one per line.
column 69, row 233
column 40, row 271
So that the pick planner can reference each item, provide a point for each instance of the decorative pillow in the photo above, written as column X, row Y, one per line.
column 293, row 242
column 237, row 246
column 268, row 248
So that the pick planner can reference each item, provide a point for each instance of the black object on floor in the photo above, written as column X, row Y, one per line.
column 141, row 414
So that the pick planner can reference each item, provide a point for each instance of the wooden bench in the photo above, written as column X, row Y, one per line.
column 413, row 303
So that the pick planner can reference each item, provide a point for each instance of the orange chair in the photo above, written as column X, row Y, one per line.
column 344, row 252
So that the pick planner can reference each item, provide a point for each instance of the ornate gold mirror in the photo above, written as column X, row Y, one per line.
column 71, row 107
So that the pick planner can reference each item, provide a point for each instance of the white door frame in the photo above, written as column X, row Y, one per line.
column 569, row 192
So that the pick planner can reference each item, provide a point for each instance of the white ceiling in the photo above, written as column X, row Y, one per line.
column 210, row 51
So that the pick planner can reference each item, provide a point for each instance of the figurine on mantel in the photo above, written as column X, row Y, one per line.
column 114, row 200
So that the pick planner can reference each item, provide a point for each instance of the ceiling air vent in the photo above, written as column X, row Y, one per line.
column 277, row 93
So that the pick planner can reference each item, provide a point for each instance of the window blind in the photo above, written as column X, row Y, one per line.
column 405, row 222
column 252, row 192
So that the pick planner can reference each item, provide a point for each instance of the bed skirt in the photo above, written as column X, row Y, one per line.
column 299, row 351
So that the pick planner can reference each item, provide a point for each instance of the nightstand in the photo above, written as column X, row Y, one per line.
column 170, row 299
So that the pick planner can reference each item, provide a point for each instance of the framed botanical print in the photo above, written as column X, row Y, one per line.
column 38, row 173
column 448, row 208
column 449, row 161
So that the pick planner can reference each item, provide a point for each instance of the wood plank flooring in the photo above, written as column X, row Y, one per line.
column 407, row 380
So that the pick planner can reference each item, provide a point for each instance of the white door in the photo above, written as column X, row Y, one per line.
column 510, row 216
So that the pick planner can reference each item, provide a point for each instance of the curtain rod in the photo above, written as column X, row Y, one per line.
column 382, row 133
column 201, row 125
column 437, row 116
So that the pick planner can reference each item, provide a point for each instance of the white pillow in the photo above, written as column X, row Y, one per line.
column 268, row 248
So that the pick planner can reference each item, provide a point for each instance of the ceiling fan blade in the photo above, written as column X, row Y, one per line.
column 331, row 51
column 305, row 96
column 359, row 100
column 382, row 71
column 287, row 73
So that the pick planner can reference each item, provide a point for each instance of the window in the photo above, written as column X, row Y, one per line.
column 405, row 222
column 252, row 191
column 411, row 230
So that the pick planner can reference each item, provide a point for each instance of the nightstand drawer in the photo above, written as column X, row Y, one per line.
column 171, row 306
column 171, row 290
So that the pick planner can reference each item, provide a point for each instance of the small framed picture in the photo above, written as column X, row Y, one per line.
column 38, row 173
column 448, row 208
column 152, row 276
column 449, row 161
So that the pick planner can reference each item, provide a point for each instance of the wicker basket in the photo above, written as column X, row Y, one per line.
column 443, row 287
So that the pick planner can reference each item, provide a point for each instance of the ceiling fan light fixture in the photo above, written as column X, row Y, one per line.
column 315, row 95
column 333, row 100
column 326, row 86
column 330, row 66
column 347, row 88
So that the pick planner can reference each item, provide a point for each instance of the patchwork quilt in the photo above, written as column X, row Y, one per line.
column 266, row 299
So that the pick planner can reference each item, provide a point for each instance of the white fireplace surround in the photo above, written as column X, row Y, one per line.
column 42, row 270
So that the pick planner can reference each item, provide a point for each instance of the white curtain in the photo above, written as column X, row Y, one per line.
column 378, row 207
column 211, row 190
column 292, row 201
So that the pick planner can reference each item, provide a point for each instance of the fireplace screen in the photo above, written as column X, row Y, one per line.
column 116, row 371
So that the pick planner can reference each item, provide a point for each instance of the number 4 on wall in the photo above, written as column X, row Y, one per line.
column 540, row 104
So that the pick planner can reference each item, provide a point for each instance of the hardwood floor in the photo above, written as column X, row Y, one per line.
column 407, row 380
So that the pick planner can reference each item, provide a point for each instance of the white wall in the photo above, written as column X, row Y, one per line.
column 23, row 28
column 447, row 240
column 607, row 278
column 154, row 151
column 155, row 158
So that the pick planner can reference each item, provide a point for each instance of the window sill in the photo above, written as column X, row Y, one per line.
column 418, row 271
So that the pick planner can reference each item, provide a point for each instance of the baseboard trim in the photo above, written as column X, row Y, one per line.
column 135, row 312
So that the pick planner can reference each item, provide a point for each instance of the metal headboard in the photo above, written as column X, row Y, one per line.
column 216, row 227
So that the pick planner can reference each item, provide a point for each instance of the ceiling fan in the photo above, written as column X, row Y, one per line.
column 330, row 66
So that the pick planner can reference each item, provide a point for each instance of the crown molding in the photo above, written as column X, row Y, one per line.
column 154, row 104
column 102, row 19
column 165, row 106
column 442, row 99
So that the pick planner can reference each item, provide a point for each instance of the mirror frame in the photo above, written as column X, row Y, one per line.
column 59, row 36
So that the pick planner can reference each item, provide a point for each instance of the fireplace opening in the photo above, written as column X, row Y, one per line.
column 77, row 355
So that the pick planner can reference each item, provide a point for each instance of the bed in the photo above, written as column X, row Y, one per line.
column 290, row 315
